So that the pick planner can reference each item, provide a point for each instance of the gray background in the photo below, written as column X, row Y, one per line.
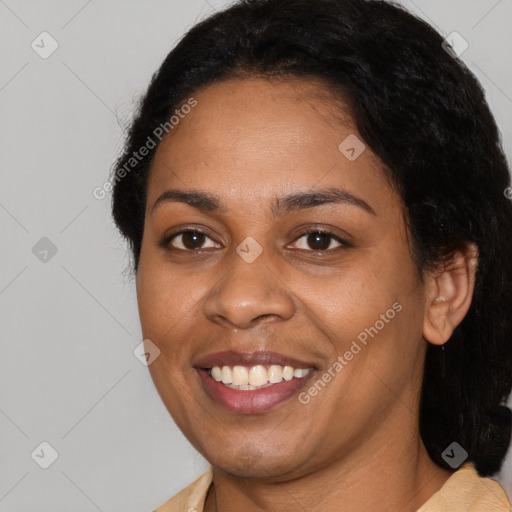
column 70, row 324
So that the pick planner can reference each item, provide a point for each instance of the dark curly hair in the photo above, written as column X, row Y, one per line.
column 424, row 114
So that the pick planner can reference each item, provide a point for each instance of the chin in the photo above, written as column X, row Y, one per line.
column 250, row 462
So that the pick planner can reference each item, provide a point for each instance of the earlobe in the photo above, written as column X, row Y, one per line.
column 448, row 295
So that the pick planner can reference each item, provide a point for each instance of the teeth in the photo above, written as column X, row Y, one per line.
column 248, row 387
column 287, row 373
column 256, row 377
column 226, row 376
column 217, row 373
column 300, row 372
column 240, row 376
column 275, row 373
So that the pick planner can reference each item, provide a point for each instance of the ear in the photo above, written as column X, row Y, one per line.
column 448, row 295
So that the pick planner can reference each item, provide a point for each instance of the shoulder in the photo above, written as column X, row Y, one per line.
column 466, row 491
column 191, row 498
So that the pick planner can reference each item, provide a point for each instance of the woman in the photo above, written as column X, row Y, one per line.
column 316, row 206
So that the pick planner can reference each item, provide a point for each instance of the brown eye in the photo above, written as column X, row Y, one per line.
column 320, row 241
column 188, row 240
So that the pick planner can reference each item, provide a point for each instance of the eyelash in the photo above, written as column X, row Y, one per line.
column 165, row 241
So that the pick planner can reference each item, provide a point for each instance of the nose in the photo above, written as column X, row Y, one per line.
column 248, row 294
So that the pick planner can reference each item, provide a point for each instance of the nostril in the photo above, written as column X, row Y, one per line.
column 264, row 324
column 263, row 316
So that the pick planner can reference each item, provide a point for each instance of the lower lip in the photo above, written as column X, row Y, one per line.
column 251, row 401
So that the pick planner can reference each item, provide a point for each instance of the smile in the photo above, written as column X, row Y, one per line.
column 256, row 377
column 252, row 382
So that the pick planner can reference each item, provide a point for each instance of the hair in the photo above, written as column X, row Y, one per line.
column 424, row 114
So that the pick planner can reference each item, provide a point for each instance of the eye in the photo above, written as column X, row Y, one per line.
column 320, row 241
column 186, row 240
column 193, row 240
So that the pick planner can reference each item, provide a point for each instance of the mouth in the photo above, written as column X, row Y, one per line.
column 246, row 378
column 252, row 382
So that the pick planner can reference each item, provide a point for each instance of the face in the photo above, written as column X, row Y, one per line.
column 292, row 264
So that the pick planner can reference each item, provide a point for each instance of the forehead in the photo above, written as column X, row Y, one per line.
column 248, row 137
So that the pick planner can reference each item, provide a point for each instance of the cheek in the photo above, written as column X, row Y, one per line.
column 373, row 323
column 352, row 298
column 375, row 301
column 166, row 307
column 166, row 303
column 164, row 294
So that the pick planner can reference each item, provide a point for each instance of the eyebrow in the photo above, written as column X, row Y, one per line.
column 211, row 203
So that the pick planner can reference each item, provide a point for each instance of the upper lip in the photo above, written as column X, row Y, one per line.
column 260, row 357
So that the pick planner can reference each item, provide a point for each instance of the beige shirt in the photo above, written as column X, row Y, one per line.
column 464, row 491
